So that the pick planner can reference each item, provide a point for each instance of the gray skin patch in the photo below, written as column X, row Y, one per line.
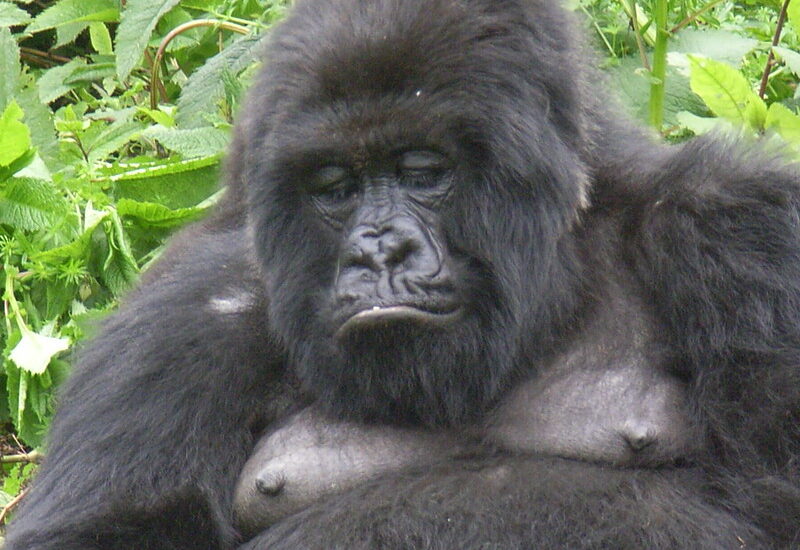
column 311, row 456
column 235, row 301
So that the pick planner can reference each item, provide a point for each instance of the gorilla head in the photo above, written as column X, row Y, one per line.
column 410, row 201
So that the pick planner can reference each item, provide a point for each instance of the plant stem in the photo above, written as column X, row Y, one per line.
column 637, row 32
column 659, row 73
column 776, row 38
column 154, row 80
column 691, row 17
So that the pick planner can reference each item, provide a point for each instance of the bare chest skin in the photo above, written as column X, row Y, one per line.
column 607, row 399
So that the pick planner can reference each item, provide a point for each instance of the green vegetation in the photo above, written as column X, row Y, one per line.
column 114, row 115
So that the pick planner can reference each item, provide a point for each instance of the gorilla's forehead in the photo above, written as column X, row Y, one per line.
column 379, row 75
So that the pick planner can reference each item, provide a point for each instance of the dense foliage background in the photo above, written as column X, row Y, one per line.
column 114, row 115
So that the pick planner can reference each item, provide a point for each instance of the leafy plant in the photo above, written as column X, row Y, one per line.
column 92, row 180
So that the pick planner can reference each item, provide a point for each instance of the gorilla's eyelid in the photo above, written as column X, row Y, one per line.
column 422, row 160
column 331, row 175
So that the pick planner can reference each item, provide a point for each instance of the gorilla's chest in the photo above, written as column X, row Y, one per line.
column 608, row 398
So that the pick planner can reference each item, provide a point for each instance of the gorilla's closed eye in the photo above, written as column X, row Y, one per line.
column 334, row 182
column 421, row 161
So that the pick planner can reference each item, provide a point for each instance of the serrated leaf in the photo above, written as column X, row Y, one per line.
column 175, row 185
column 51, row 83
column 112, row 138
column 66, row 12
column 100, row 38
column 79, row 248
column 30, row 204
column 157, row 170
column 11, row 15
column 120, row 269
column 9, row 67
column 15, row 138
column 785, row 122
column 726, row 91
column 90, row 73
column 68, row 32
column 206, row 86
column 138, row 21
column 790, row 57
column 193, row 142
column 34, row 351
column 39, row 120
column 156, row 215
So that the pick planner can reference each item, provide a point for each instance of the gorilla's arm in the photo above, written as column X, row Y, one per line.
column 152, row 427
column 717, row 244
column 517, row 504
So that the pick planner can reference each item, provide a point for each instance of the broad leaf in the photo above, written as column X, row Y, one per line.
column 15, row 138
column 11, row 15
column 726, row 92
column 138, row 21
column 31, row 204
column 66, row 12
column 785, row 122
column 9, row 67
column 193, row 142
column 206, row 86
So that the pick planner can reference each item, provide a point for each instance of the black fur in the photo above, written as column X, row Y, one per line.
column 159, row 418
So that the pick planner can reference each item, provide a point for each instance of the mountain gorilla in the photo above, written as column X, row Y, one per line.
column 436, row 226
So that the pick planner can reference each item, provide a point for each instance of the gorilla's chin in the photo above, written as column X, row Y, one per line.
column 382, row 316
column 406, row 366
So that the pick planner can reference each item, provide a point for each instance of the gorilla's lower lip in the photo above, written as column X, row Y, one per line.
column 387, row 314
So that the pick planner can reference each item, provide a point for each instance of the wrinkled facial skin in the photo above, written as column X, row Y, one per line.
column 411, row 263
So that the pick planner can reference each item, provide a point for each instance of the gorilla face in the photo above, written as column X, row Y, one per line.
column 412, row 204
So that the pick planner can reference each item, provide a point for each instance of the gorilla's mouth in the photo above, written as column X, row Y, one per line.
column 385, row 315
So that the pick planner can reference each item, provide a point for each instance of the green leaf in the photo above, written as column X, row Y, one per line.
column 726, row 92
column 112, row 138
column 158, row 116
column 150, row 214
column 80, row 248
column 193, row 142
column 11, row 15
column 66, row 12
column 9, row 67
column 15, row 138
column 713, row 44
column 51, row 83
column 39, row 119
column 699, row 125
column 633, row 85
column 785, row 122
column 69, row 32
column 175, row 185
column 120, row 269
column 790, row 57
column 90, row 73
column 793, row 12
column 31, row 204
column 206, row 86
column 34, row 351
column 138, row 21
column 100, row 38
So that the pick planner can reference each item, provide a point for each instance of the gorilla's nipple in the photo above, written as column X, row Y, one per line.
column 270, row 484
column 639, row 436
